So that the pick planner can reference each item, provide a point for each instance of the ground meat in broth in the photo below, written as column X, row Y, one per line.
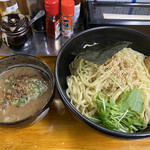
column 23, row 91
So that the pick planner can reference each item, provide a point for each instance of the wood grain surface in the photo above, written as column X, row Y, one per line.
column 60, row 130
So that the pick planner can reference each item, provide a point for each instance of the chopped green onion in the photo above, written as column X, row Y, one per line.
column 113, row 79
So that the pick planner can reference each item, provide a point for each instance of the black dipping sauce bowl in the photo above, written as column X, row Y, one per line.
column 140, row 42
column 14, row 61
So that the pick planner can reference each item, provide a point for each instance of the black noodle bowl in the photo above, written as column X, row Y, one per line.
column 140, row 42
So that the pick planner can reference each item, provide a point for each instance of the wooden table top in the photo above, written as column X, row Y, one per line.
column 59, row 130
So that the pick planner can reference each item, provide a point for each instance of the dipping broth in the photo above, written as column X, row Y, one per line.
column 23, row 91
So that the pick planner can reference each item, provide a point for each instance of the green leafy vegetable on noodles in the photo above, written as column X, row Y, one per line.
column 122, row 117
column 132, row 99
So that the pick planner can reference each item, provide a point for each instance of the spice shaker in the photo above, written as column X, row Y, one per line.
column 16, row 33
column 67, row 12
column 52, row 18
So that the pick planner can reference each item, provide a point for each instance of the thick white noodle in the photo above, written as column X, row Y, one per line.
column 87, row 79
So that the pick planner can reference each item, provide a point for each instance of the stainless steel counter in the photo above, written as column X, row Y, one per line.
column 42, row 45
column 47, row 46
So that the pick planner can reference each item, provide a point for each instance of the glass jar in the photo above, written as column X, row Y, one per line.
column 16, row 33
column 8, row 6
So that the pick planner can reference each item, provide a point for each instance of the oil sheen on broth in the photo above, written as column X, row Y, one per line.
column 23, row 91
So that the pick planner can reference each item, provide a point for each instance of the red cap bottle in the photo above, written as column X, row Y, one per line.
column 67, row 7
column 52, row 18
column 52, row 7
column 67, row 12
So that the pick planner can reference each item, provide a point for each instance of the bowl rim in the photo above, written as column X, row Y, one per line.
column 75, row 111
column 48, row 100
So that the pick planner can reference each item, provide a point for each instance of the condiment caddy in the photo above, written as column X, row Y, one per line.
column 59, row 20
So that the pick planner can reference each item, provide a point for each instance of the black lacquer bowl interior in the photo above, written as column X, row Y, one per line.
column 140, row 42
